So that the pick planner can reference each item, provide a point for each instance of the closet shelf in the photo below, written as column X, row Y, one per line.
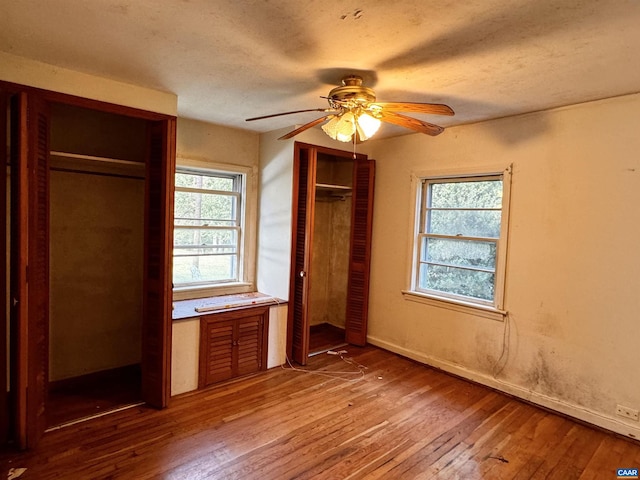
column 327, row 187
column 79, row 156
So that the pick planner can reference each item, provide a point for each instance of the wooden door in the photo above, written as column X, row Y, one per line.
column 232, row 343
column 156, row 322
column 305, row 162
column 4, row 396
column 249, row 342
column 304, row 172
column 360, row 253
column 29, row 246
column 38, row 268
column 19, row 234
column 216, row 350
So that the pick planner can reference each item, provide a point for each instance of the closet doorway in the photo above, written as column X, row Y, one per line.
column 332, row 217
column 88, row 240
column 96, row 228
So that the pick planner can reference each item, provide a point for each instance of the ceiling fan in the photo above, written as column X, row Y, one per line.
column 354, row 114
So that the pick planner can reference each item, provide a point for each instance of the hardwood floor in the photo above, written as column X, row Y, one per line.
column 92, row 394
column 325, row 337
column 400, row 420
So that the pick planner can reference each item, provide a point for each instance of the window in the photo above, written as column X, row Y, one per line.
column 208, row 227
column 460, row 239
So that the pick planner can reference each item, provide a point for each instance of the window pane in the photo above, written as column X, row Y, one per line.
column 194, row 269
column 457, row 281
column 469, row 194
column 204, row 237
column 207, row 182
column 205, row 209
column 469, row 223
column 206, row 254
column 464, row 253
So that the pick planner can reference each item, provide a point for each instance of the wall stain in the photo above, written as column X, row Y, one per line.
column 545, row 379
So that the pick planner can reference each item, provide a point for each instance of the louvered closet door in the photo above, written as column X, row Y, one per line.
column 38, row 277
column 359, row 259
column 156, row 322
column 302, row 231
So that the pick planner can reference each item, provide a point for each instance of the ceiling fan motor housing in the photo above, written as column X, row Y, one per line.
column 352, row 93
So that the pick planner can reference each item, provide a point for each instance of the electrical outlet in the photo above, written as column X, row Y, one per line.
column 627, row 412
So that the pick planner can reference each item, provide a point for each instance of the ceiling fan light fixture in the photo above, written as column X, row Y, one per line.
column 353, row 110
column 367, row 126
column 341, row 127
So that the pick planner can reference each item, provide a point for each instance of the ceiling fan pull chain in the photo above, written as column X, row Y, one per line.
column 355, row 134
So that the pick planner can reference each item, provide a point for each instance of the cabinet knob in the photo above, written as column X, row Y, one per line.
column 302, row 273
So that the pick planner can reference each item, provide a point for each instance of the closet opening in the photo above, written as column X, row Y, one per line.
column 96, row 252
column 330, row 250
column 330, row 253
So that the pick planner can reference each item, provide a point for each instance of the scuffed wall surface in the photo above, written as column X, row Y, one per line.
column 214, row 143
column 572, row 284
column 330, row 261
column 96, row 273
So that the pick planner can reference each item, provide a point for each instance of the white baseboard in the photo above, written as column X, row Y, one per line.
column 556, row 404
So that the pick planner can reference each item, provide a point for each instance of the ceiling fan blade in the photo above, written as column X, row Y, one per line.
column 290, row 113
column 412, row 123
column 434, row 108
column 304, row 127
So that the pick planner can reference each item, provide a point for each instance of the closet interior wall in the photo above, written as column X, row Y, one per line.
column 97, row 222
column 331, row 241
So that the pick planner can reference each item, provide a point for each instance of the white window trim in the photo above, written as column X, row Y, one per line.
column 495, row 311
column 248, row 220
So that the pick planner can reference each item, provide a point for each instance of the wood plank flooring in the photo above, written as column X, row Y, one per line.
column 399, row 420
column 92, row 394
column 325, row 337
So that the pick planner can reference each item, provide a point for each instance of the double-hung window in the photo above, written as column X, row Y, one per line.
column 208, row 228
column 460, row 241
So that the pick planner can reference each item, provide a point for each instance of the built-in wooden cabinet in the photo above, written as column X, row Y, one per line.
column 232, row 343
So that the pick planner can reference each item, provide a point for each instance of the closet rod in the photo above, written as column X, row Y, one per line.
column 101, row 174
column 97, row 159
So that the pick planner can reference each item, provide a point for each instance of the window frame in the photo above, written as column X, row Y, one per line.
column 490, row 309
column 245, row 225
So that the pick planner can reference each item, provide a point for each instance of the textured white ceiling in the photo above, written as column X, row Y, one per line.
column 228, row 60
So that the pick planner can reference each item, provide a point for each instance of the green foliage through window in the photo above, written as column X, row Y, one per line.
column 207, row 227
column 459, row 234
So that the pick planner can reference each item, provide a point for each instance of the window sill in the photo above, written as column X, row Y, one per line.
column 489, row 312
column 202, row 291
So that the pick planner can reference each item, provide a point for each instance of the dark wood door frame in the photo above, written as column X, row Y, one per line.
column 304, row 166
column 4, row 303
column 29, row 365
column 304, row 177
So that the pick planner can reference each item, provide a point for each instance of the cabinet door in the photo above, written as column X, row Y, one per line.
column 217, row 350
column 248, row 343
column 233, row 343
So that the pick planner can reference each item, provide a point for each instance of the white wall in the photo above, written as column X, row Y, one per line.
column 274, row 226
column 96, row 276
column 275, row 204
column 25, row 71
column 572, row 285
column 217, row 144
